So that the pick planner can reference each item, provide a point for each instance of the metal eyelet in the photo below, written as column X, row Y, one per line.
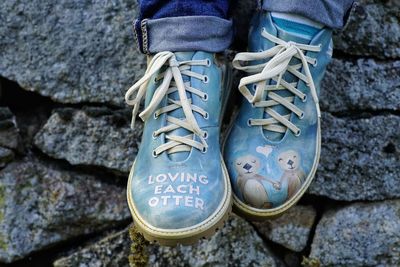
column 304, row 99
column 301, row 116
column 205, row 79
column 205, row 134
column 208, row 62
column 297, row 133
column 254, row 86
column 205, row 97
column 316, row 63
column 249, row 122
column 155, row 154
column 204, row 150
column 206, row 116
column 155, row 116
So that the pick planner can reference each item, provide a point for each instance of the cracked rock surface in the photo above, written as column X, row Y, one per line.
column 93, row 136
column 359, row 158
column 365, row 84
column 53, row 50
column 373, row 30
column 9, row 135
column 236, row 243
column 42, row 205
column 109, row 251
column 359, row 235
column 291, row 230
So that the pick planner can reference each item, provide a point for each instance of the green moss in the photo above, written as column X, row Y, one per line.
column 2, row 202
column 139, row 256
column 310, row 262
column 3, row 243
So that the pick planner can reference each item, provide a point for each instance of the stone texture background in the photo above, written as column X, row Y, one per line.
column 66, row 147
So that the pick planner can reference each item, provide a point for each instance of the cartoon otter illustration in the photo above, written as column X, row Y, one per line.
column 289, row 161
column 250, row 182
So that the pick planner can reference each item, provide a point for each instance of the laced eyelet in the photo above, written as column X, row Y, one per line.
column 205, row 97
column 154, row 135
column 249, row 122
column 304, row 99
column 316, row 63
column 154, row 153
column 205, row 79
column 205, row 135
column 297, row 133
column 301, row 116
column 204, row 150
column 155, row 79
column 155, row 116
column 206, row 115
column 208, row 62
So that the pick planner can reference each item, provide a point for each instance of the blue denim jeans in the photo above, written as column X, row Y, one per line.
column 188, row 25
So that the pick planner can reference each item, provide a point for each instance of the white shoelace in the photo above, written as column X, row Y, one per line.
column 172, row 81
column 275, row 68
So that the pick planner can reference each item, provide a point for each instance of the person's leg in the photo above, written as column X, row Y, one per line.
column 183, row 25
column 331, row 13
column 273, row 147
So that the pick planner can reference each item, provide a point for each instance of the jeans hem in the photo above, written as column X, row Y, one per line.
column 330, row 13
column 186, row 33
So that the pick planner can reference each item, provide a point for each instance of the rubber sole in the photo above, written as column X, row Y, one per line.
column 186, row 236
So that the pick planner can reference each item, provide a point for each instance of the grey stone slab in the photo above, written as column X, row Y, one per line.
column 373, row 30
column 359, row 158
column 362, row 234
column 290, row 230
column 365, row 84
column 93, row 136
column 72, row 51
column 42, row 205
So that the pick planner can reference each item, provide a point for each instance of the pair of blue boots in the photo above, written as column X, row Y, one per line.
column 182, row 186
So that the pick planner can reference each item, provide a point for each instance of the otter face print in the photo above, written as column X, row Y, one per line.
column 247, row 165
column 289, row 160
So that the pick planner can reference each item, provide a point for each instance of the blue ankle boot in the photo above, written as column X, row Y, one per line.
column 178, row 188
column 273, row 146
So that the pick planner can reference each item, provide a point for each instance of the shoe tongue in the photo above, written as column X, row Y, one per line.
column 296, row 26
column 180, row 156
column 287, row 33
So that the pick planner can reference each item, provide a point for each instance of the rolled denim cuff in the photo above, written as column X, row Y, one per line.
column 186, row 33
column 331, row 13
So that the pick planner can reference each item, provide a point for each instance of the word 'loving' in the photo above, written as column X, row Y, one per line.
column 186, row 193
